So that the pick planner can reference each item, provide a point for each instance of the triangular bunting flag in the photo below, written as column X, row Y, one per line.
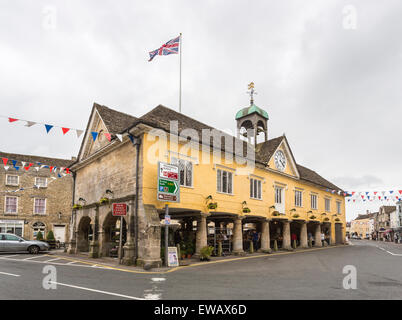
column 48, row 127
column 120, row 137
column 108, row 136
column 94, row 135
column 65, row 130
column 28, row 166
column 5, row 161
column 37, row 168
column 6, row 167
column 12, row 119
column 30, row 124
column 79, row 132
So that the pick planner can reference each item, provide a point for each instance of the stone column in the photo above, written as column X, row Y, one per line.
column 286, row 243
column 201, row 236
column 72, row 247
column 303, row 235
column 93, row 245
column 129, row 246
column 317, row 236
column 265, row 239
column 237, row 239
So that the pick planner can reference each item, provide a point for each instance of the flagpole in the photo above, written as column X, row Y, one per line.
column 181, row 46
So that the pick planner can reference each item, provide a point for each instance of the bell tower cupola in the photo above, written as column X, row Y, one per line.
column 252, row 121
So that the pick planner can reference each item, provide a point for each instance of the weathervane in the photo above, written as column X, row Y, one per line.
column 251, row 92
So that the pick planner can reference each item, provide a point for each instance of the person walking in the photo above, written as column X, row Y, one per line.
column 322, row 238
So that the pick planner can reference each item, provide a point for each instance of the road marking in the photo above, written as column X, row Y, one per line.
column 391, row 253
column 32, row 257
column 98, row 291
column 51, row 260
column 10, row 274
column 71, row 262
column 158, row 279
column 13, row 255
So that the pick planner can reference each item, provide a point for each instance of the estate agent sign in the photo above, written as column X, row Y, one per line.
column 168, row 182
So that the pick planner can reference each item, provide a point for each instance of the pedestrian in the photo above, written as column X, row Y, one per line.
column 322, row 238
column 255, row 238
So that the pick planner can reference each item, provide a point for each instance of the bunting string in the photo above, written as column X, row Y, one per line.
column 64, row 130
column 26, row 165
column 370, row 196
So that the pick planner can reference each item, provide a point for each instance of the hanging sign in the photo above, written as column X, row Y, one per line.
column 168, row 188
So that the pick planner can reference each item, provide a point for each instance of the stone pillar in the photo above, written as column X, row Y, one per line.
column 317, row 236
column 265, row 239
column 93, row 245
column 286, row 243
column 303, row 235
column 129, row 246
column 201, row 236
column 72, row 246
column 237, row 239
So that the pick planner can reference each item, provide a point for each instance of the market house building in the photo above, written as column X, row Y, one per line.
column 42, row 208
column 275, row 195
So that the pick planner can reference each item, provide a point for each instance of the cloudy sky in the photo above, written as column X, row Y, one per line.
column 327, row 72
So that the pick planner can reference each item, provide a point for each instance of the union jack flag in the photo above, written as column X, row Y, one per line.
column 169, row 47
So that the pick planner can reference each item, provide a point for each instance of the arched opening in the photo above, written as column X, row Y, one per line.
column 111, row 238
column 39, row 227
column 84, row 235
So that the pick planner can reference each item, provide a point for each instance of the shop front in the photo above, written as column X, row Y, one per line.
column 12, row 226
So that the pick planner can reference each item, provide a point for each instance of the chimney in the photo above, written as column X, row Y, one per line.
column 74, row 158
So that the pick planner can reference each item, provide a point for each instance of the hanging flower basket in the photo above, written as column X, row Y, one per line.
column 326, row 219
column 246, row 210
column 212, row 205
column 276, row 213
column 337, row 219
column 104, row 200
column 77, row 206
column 312, row 217
column 296, row 215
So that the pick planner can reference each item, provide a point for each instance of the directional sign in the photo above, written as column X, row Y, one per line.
column 168, row 188
column 168, row 171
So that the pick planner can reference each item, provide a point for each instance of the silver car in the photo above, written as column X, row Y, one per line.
column 13, row 243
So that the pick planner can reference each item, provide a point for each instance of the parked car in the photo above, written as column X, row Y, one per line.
column 13, row 243
column 355, row 237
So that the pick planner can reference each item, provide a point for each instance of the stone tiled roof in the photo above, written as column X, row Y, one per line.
column 389, row 209
column 365, row 216
column 161, row 116
column 115, row 121
column 29, row 158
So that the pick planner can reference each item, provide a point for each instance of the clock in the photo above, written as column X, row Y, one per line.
column 280, row 160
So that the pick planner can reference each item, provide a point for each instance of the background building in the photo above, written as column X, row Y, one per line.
column 363, row 226
column 43, row 197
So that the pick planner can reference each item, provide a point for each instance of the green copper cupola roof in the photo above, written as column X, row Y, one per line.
column 251, row 109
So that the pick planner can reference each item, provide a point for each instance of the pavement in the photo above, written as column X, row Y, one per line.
column 303, row 274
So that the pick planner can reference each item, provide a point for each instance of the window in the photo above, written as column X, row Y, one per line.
column 338, row 207
column 313, row 201
column 11, row 204
column 224, row 181
column 12, row 226
column 12, row 180
column 41, row 182
column 255, row 189
column 185, row 171
column 38, row 226
column 278, row 195
column 40, row 206
column 298, row 198
column 11, row 237
column 327, row 205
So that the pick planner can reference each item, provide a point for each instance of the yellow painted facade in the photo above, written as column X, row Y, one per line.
column 205, row 184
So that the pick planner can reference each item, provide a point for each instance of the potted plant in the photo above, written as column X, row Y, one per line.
column 275, row 213
column 51, row 240
column 77, row 206
column 245, row 209
column 104, row 200
column 39, row 236
column 205, row 253
column 183, row 250
column 189, row 249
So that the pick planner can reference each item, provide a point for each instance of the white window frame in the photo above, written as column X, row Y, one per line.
column 36, row 182
column 315, row 201
column 255, row 194
column 338, row 207
column 298, row 198
column 34, row 206
column 221, row 173
column 329, row 204
column 12, row 184
column 175, row 161
column 5, row 205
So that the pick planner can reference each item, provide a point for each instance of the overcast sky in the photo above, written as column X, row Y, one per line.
column 327, row 72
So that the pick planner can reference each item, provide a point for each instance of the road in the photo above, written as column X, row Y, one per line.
column 303, row 275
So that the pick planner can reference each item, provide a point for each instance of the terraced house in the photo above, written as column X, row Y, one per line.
column 229, row 184
column 34, row 200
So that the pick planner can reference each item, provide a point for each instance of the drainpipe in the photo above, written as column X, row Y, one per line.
column 136, row 141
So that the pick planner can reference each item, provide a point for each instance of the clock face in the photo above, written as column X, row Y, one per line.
column 280, row 160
